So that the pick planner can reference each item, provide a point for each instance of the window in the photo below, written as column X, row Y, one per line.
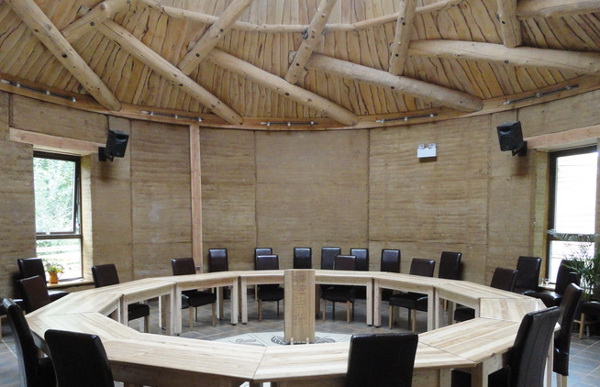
column 58, row 211
column 572, row 205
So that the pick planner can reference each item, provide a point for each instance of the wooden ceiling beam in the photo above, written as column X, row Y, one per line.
column 43, row 28
column 442, row 95
column 312, row 38
column 552, row 8
column 579, row 62
column 103, row 11
column 205, row 18
column 510, row 26
column 213, row 36
column 164, row 68
column 404, row 27
column 282, row 87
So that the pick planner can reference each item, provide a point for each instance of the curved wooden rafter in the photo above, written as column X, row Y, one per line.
column 157, row 63
column 404, row 27
column 579, row 62
column 31, row 14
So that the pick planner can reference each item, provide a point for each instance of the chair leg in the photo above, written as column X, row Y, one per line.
column 413, row 320
column 561, row 380
column 277, row 309
column 347, row 312
column 259, row 310
column 581, row 325
column 324, row 309
column 333, row 310
column 146, row 324
column 391, row 316
column 214, row 313
column 191, row 312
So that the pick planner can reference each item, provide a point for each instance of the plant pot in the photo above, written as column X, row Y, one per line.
column 53, row 278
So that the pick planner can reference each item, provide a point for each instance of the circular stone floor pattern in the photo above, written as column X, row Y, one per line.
column 271, row 339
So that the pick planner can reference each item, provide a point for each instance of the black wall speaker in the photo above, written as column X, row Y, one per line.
column 116, row 144
column 510, row 136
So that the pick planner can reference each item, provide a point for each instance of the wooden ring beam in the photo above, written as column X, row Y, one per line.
column 157, row 360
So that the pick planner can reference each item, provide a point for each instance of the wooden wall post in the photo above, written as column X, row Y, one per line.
column 196, row 195
column 299, row 321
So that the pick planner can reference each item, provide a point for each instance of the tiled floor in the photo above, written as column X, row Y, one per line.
column 585, row 353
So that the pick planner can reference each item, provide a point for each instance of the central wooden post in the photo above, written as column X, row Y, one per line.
column 299, row 321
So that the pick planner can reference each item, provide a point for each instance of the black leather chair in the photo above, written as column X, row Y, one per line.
column 449, row 269
column 33, row 371
column 527, row 358
column 588, row 308
column 421, row 267
column 381, row 360
column 503, row 279
column 262, row 251
column 390, row 262
column 564, row 278
column 450, row 265
column 273, row 293
column 106, row 275
column 529, row 275
column 217, row 260
column 192, row 299
column 341, row 293
column 302, row 258
column 79, row 359
column 562, row 341
column 35, row 293
column 362, row 258
column 328, row 255
column 30, row 267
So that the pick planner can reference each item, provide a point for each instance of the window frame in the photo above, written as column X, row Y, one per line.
column 552, row 193
column 75, row 233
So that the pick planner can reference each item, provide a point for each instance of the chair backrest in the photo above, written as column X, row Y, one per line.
column 381, row 360
column 529, row 272
column 527, row 358
column 390, row 260
column 79, row 359
column 267, row 262
column 562, row 342
column 450, row 265
column 422, row 267
column 263, row 251
column 35, row 293
column 362, row 258
column 217, row 260
column 105, row 275
column 27, row 352
column 30, row 267
column 328, row 255
column 504, row 279
column 183, row 266
column 565, row 277
column 345, row 262
column 302, row 258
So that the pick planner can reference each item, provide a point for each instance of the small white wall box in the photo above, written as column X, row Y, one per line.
column 426, row 150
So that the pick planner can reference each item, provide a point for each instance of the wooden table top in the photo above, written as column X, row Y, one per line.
column 457, row 346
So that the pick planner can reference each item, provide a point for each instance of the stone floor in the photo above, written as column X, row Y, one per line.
column 585, row 353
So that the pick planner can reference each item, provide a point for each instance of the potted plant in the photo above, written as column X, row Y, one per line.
column 54, row 269
column 583, row 261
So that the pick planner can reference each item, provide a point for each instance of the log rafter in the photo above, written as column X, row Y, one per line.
column 157, row 63
column 282, row 87
column 213, row 36
column 404, row 27
column 552, row 8
column 442, row 95
column 579, row 62
column 312, row 38
column 510, row 27
column 43, row 28
column 101, row 12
